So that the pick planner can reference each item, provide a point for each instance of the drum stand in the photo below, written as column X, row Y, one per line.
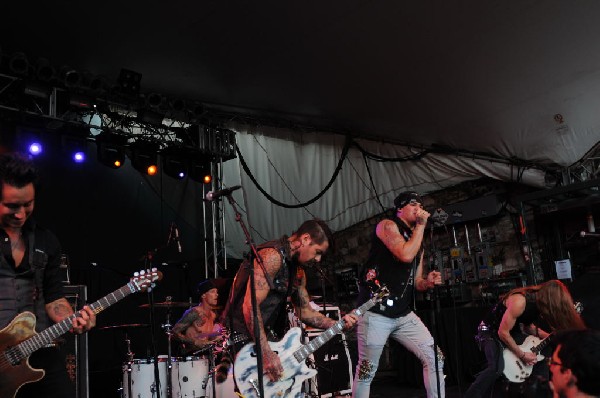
column 130, row 356
column 169, row 332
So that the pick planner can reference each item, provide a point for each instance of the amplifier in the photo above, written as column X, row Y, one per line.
column 75, row 348
column 334, row 366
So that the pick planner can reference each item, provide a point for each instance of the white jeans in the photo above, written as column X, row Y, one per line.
column 373, row 332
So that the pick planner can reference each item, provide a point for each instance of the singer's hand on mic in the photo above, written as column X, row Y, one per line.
column 422, row 215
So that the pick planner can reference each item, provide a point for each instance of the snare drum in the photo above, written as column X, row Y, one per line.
column 140, row 379
column 189, row 376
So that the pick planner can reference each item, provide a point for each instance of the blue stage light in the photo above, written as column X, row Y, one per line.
column 35, row 148
column 79, row 157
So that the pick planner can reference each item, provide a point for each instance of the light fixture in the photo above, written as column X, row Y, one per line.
column 74, row 143
column 35, row 148
column 44, row 71
column 175, row 163
column 111, row 149
column 18, row 63
column 200, row 169
column 144, row 155
column 129, row 82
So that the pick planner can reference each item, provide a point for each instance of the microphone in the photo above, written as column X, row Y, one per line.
column 583, row 234
column 213, row 195
column 176, row 237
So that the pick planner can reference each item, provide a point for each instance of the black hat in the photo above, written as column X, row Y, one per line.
column 205, row 286
column 405, row 198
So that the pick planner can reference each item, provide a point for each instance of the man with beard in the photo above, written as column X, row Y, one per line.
column 575, row 364
column 282, row 277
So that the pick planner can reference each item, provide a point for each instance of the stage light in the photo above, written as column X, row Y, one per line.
column 174, row 164
column 19, row 64
column 110, row 149
column 35, row 148
column 70, row 77
column 144, row 157
column 129, row 82
column 44, row 71
column 79, row 157
column 200, row 170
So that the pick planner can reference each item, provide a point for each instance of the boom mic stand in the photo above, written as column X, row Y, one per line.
column 258, row 259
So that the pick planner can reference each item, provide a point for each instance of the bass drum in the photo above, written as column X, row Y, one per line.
column 222, row 390
column 189, row 376
column 138, row 378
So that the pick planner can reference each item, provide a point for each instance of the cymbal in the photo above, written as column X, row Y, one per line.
column 171, row 304
column 129, row 326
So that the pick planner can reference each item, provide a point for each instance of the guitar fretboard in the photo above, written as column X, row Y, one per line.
column 37, row 341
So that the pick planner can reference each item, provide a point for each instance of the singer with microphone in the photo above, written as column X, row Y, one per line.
column 394, row 261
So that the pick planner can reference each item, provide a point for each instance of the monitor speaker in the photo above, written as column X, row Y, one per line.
column 75, row 347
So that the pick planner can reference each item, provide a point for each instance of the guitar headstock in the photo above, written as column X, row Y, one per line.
column 145, row 279
column 380, row 294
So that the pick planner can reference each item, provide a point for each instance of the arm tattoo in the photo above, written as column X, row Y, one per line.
column 390, row 234
column 187, row 321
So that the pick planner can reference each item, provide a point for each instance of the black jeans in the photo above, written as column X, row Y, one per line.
column 484, row 383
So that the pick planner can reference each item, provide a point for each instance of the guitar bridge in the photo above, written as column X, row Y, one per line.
column 254, row 385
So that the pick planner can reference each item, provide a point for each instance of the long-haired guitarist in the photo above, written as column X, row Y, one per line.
column 282, row 277
column 30, row 279
column 519, row 313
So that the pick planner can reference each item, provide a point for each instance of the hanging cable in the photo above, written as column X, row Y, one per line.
column 347, row 145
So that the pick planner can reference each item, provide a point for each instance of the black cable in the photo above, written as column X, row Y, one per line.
column 278, row 203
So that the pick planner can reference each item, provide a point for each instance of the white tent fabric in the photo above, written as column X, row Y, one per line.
column 295, row 167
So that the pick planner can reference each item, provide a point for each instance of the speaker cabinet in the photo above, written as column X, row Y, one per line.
column 75, row 348
column 334, row 367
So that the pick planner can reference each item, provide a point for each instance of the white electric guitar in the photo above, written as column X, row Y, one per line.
column 516, row 370
column 293, row 355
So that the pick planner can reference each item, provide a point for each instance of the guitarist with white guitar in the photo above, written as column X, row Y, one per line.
column 29, row 276
column 510, row 337
column 282, row 277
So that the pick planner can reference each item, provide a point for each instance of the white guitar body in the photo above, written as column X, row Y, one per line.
column 516, row 370
column 292, row 354
column 294, row 372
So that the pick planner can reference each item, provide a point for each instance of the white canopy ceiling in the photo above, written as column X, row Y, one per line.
column 513, row 79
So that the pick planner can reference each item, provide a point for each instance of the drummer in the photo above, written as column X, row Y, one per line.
column 197, row 328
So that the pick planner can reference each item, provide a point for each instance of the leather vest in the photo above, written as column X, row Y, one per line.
column 273, row 307
column 391, row 272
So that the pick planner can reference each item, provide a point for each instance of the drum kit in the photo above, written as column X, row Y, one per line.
column 178, row 377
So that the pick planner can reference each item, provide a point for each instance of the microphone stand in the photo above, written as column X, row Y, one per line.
column 256, row 256
column 435, row 309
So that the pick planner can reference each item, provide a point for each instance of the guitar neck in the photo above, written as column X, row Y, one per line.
column 302, row 353
column 37, row 341
column 538, row 348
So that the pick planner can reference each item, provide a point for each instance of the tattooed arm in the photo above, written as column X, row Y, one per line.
column 403, row 250
column 60, row 309
column 310, row 316
column 272, row 262
column 306, row 313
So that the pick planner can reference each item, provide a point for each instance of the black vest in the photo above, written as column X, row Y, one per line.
column 391, row 272
column 273, row 307
column 23, row 290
